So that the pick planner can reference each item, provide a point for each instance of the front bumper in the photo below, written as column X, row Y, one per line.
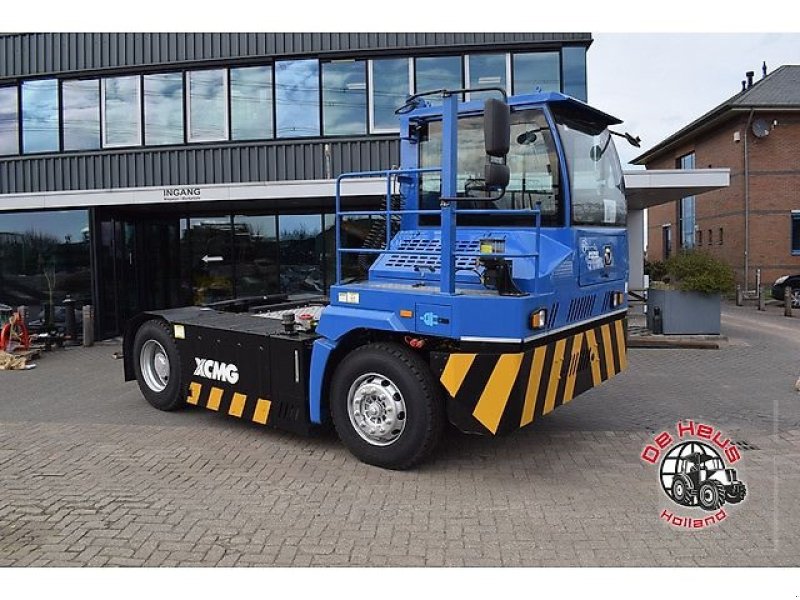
column 492, row 392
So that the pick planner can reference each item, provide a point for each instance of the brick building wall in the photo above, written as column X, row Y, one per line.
column 774, row 168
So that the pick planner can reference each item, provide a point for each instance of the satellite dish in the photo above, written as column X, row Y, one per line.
column 760, row 128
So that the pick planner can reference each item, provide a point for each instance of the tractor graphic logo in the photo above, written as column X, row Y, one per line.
column 694, row 474
column 694, row 463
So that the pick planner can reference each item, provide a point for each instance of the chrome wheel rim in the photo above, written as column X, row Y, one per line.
column 796, row 298
column 708, row 496
column 154, row 364
column 376, row 409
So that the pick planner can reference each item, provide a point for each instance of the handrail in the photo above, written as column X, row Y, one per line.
column 445, row 254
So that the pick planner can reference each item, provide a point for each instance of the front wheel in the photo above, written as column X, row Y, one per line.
column 386, row 407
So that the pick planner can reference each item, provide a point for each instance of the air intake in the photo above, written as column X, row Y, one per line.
column 581, row 308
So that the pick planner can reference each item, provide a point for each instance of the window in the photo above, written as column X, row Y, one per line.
column 81, row 100
column 437, row 73
column 390, row 86
column 720, row 237
column 573, row 65
column 597, row 183
column 699, row 237
column 710, row 238
column 122, row 113
column 796, row 233
column 9, row 132
column 251, row 103
column 686, row 206
column 163, row 109
column 533, row 164
column 301, row 253
column 40, row 116
column 256, row 251
column 297, row 98
column 344, row 98
column 666, row 241
column 208, row 105
column 36, row 246
column 486, row 70
column 536, row 70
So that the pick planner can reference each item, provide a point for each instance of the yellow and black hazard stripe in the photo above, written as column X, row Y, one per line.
column 251, row 408
column 497, row 392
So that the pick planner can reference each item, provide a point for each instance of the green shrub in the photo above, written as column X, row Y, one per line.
column 656, row 269
column 697, row 271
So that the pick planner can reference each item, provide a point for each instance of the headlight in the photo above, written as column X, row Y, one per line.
column 538, row 319
column 780, row 280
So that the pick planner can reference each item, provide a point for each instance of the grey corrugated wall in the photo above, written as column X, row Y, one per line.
column 23, row 55
column 195, row 165
column 72, row 54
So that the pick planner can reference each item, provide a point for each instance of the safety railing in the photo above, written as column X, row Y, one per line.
column 447, row 253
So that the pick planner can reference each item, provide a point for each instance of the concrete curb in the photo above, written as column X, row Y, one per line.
column 699, row 342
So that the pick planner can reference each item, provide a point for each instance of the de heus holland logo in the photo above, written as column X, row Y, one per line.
column 694, row 473
column 219, row 371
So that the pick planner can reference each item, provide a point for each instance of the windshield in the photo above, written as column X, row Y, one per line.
column 532, row 161
column 596, row 180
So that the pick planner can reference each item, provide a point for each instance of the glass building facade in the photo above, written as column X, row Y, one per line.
column 297, row 114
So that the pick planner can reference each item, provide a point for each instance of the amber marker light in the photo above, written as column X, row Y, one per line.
column 539, row 319
column 404, row 312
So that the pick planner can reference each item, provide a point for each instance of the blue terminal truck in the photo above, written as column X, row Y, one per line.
column 488, row 291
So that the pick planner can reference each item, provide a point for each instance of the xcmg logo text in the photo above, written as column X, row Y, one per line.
column 218, row 371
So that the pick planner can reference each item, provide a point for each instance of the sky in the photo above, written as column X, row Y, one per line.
column 659, row 82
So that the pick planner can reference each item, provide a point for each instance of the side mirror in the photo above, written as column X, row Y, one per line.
column 496, row 128
column 496, row 176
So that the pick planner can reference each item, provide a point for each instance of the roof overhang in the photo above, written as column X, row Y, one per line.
column 174, row 194
column 647, row 188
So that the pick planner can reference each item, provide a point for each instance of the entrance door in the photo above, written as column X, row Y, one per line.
column 139, row 268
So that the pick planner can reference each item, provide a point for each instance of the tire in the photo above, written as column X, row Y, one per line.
column 795, row 297
column 157, row 365
column 711, row 495
column 386, row 406
column 737, row 496
column 680, row 491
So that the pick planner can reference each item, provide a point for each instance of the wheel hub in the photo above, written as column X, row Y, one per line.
column 154, row 364
column 376, row 409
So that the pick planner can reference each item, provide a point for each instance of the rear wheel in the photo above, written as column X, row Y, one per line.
column 796, row 298
column 157, row 365
column 386, row 407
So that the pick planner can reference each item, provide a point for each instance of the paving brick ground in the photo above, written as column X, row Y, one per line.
column 91, row 475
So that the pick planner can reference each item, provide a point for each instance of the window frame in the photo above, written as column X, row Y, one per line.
column 272, row 110
column 513, row 69
column 184, row 121
column 104, row 113
column 371, row 93
column 275, row 64
column 17, row 133
column 187, row 96
column 62, row 110
column 467, row 75
column 21, row 117
column 794, row 217
column 367, row 78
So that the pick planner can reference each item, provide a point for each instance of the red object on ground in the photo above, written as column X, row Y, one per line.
column 14, row 331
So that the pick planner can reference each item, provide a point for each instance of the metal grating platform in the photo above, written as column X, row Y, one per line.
column 417, row 262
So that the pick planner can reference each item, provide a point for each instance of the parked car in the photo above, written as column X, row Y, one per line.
column 793, row 281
